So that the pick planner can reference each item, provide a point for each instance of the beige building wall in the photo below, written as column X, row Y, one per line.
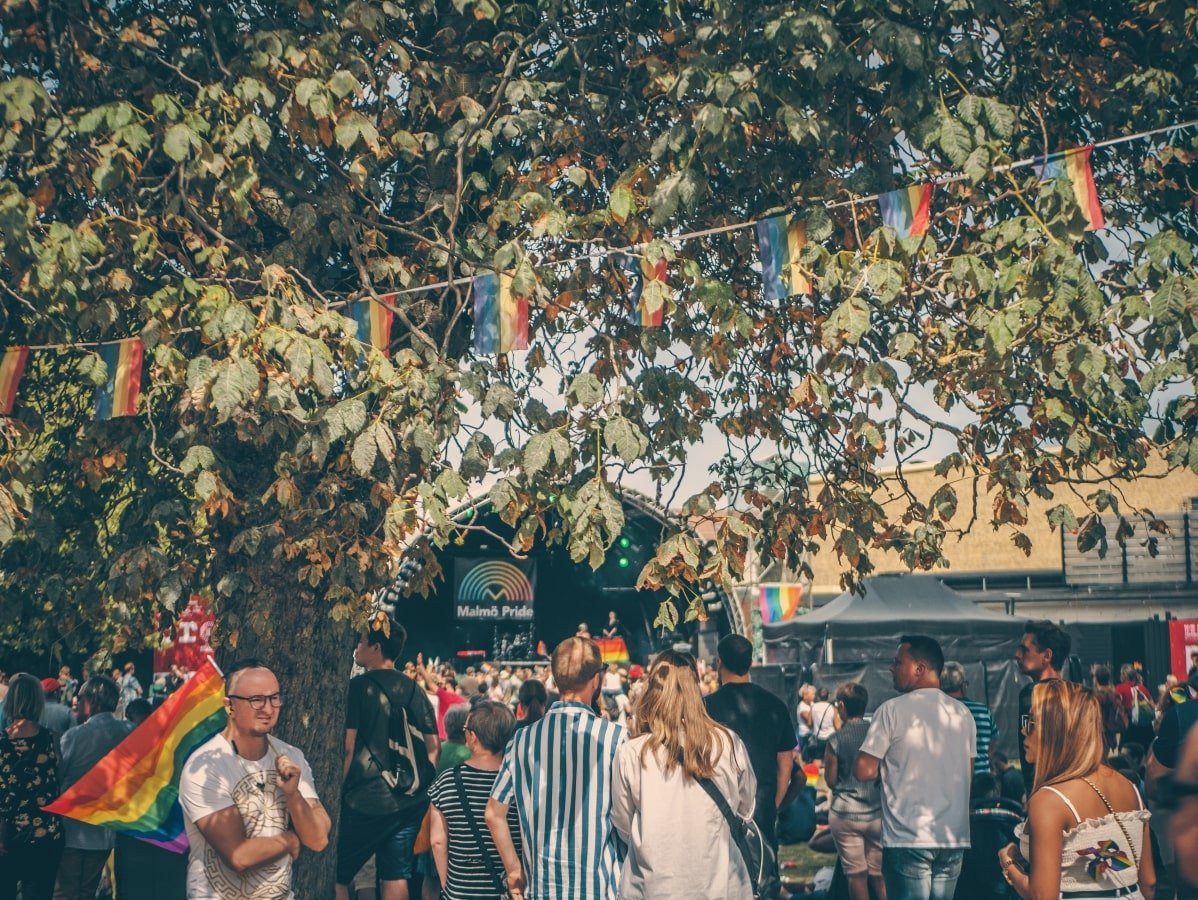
column 985, row 549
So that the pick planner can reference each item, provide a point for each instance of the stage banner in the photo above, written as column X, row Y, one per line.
column 188, row 641
column 1183, row 646
column 495, row 589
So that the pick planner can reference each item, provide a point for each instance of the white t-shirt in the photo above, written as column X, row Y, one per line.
column 823, row 719
column 804, row 728
column 215, row 778
column 926, row 741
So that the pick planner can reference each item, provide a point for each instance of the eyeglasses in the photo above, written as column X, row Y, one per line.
column 1027, row 724
column 259, row 701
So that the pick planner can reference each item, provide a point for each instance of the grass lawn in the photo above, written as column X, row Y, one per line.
column 799, row 863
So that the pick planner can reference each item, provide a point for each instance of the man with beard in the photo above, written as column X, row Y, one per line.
column 248, row 799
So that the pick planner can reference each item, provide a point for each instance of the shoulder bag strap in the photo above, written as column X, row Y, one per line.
column 1131, row 847
column 822, row 719
column 500, row 883
column 735, row 825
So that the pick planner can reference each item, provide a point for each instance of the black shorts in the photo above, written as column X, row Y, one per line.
column 389, row 838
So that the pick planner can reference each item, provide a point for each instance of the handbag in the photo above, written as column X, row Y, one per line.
column 500, row 882
column 761, row 858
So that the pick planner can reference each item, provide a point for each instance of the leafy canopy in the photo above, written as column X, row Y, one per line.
column 221, row 180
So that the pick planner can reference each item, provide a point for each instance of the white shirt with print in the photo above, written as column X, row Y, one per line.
column 215, row 778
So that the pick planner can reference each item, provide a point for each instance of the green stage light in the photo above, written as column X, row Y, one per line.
column 624, row 562
column 624, row 542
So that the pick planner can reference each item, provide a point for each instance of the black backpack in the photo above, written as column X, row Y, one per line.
column 408, row 771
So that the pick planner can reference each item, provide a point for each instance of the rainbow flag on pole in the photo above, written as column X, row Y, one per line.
column 637, row 270
column 135, row 788
column 12, row 367
column 779, row 240
column 906, row 210
column 1074, row 167
column 500, row 318
column 779, row 602
column 374, row 324
column 118, row 397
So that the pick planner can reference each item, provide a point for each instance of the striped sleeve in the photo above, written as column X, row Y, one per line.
column 504, row 790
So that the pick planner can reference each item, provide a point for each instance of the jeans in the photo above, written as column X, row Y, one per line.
column 921, row 873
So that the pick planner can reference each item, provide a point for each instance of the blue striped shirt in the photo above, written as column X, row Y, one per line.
column 987, row 733
column 558, row 774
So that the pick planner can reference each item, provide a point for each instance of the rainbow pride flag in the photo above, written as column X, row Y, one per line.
column 374, row 324
column 12, row 367
column 500, row 318
column 613, row 650
column 779, row 602
column 637, row 270
column 906, row 210
column 135, row 788
column 779, row 239
column 118, row 397
column 1074, row 167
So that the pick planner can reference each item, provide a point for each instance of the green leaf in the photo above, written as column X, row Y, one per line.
column 849, row 322
column 1000, row 118
column 1061, row 516
column 177, row 141
column 622, row 203
column 944, row 501
column 353, row 126
column 364, row 453
column 537, row 452
column 343, row 83
column 235, row 384
column 955, row 140
column 585, row 390
column 627, row 440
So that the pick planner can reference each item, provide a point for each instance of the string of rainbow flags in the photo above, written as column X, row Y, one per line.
column 501, row 316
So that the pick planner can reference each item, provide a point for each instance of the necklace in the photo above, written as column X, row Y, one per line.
column 259, row 780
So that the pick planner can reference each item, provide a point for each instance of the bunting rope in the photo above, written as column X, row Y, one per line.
column 681, row 237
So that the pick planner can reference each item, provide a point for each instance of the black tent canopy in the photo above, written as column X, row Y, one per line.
column 855, row 636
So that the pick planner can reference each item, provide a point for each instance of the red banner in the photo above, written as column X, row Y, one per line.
column 1183, row 646
column 188, row 645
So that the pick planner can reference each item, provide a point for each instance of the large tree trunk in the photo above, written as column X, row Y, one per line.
column 311, row 655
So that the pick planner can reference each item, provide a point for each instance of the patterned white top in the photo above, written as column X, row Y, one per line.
column 1094, row 856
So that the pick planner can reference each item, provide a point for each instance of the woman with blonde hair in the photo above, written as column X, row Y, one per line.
column 679, row 844
column 1087, row 829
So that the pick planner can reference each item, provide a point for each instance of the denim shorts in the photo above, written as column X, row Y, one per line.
column 389, row 839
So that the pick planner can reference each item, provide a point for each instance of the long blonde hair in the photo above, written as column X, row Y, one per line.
column 672, row 713
column 1068, row 732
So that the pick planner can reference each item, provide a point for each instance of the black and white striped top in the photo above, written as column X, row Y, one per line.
column 469, row 877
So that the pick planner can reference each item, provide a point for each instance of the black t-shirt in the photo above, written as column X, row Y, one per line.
column 368, row 710
column 759, row 719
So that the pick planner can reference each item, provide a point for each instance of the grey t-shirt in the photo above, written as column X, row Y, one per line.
column 853, row 799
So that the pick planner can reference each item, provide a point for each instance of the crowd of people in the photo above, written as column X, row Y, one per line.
column 578, row 779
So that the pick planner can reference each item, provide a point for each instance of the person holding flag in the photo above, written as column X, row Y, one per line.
column 248, row 799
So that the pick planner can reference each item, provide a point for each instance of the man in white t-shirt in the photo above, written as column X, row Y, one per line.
column 248, row 800
column 922, row 744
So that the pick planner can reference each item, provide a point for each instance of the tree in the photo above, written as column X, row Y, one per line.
column 222, row 182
